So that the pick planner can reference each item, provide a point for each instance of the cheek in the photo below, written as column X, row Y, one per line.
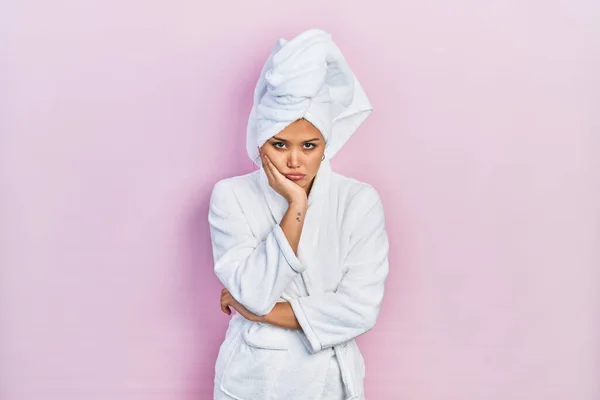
column 313, row 164
column 276, row 158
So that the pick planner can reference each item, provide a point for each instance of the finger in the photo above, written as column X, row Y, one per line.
column 271, row 167
column 267, row 168
column 225, row 308
column 229, row 300
column 226, row 301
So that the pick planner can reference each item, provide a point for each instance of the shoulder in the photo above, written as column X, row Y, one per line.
column 228, row 190
column 357, row 195
column 363, row 211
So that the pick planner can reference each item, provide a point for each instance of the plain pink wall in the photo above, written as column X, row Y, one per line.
column 117, row 119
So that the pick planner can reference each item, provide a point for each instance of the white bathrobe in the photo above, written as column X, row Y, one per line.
column 335, row 282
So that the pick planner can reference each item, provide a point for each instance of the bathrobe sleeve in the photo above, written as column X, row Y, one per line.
column 255, row 271
column 332, row 318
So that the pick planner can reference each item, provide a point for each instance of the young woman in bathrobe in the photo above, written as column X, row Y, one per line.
column 302, row 251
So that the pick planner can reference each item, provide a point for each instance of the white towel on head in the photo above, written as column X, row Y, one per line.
column 307, row 77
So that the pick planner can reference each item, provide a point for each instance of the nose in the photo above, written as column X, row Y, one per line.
column 293, row 160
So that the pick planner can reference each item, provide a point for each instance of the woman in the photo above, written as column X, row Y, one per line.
column 301, row 250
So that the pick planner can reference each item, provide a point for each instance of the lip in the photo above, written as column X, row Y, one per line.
column 295, row 177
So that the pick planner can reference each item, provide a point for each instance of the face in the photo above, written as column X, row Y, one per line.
column 297, row 150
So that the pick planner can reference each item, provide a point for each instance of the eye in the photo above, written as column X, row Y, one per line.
column 312, row 145
column 276, row 145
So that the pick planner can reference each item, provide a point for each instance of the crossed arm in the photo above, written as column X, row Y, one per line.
column 255, row 273
column 281, row 314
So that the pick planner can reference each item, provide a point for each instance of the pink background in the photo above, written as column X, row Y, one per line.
column 117, row 119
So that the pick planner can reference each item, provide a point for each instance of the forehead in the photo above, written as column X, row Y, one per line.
column 299, row 130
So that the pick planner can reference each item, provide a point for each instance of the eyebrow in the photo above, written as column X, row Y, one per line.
column 283, row 140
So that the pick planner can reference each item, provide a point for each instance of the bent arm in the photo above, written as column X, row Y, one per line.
column 282, row 315
column 255, row 272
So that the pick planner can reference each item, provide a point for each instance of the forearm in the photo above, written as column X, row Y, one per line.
column 328, row 319
column 254, row 269
column 282, row 315
column 293, row 221
column 291, row 224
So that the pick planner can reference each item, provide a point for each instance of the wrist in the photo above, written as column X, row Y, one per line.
column 262, row 319
column 298, row 203
column 268, row 318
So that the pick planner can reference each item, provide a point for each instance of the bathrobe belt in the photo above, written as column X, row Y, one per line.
column 345, row 370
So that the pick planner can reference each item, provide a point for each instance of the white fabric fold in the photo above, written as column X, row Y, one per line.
column 307, row 77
